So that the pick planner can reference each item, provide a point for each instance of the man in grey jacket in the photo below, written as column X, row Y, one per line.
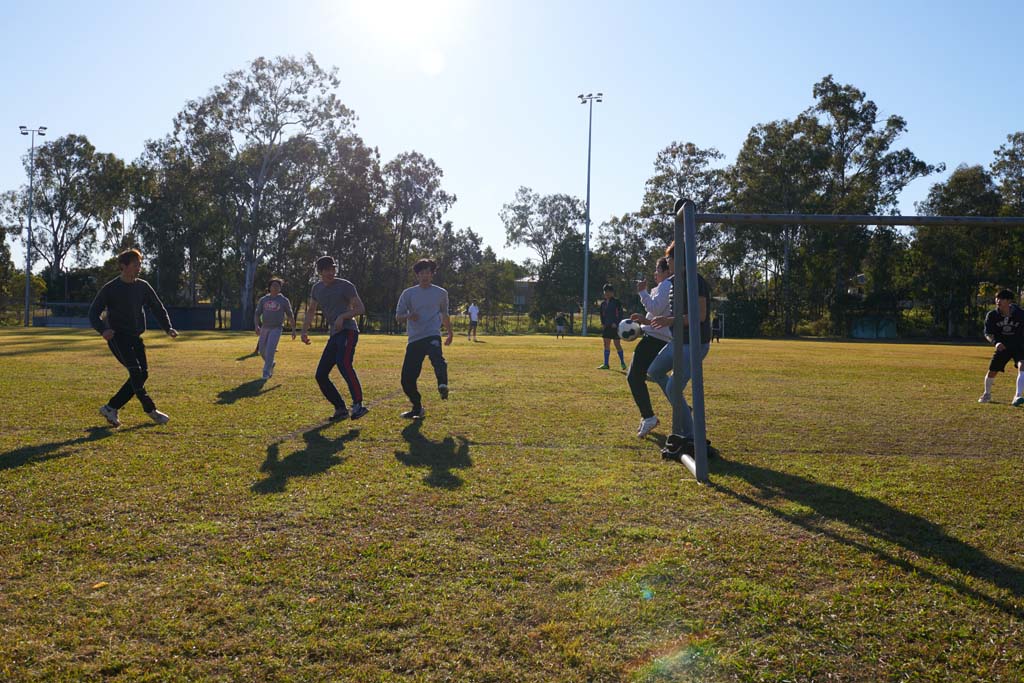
column 424, row 309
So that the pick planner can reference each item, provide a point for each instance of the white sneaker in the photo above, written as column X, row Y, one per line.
column 985, row 398
column 646, row 425
column 158, row 417
column 111, row 415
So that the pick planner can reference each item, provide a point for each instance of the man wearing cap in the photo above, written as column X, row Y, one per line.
column 341, row 304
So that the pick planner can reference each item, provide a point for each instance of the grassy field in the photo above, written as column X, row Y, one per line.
column 863, row 524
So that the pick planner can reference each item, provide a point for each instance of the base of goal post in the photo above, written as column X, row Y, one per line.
column 681, row 450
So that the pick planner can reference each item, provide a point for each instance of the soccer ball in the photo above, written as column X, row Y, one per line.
column 629, row 330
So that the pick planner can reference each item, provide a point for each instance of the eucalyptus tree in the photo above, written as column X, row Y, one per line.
column 540, row 222
column 1008, row 171
column 253, row 114
column 864, row 174
column 414, row 206
column 73, row 198
column 684, row 170
column 350, row 224
column 951, row 261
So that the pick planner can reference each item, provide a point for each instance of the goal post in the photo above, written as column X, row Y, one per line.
column 686, row 221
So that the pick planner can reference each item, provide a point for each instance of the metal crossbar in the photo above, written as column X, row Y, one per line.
column 686, row 222
column 826, row 219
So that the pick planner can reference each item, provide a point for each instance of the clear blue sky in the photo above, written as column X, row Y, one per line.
column 487, row 88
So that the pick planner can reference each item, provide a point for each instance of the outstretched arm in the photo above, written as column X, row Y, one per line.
column 308, row 319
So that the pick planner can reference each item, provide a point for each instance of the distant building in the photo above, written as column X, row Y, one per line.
column 523, row 293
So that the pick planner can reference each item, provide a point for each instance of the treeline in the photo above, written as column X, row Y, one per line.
column 838, row 156
column 258, row 177
column 265, row 172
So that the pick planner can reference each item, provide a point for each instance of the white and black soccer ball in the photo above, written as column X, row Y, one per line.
column 629, row 330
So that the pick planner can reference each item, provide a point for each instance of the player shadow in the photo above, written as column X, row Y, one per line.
column 250, row 389
column 247, row 356
column 880, row 521
column 440, row 456
column 38, row 453
column 320, row 454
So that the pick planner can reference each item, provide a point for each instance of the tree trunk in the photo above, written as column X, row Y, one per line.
column 248, row 282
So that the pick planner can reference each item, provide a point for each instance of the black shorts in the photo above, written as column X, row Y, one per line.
column 473, row 324
column 610, row 331
column 999, row 358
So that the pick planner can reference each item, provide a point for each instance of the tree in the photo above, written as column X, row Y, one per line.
column 950, row 261
column 685, row 171
column 559, row 282
column 253, row 115
column 624, row 242
column 415, row 204
column 541, row 222
column 73, row 197
column 7, row 270
column 778, row 170
column 351, row 225
column 864, row 175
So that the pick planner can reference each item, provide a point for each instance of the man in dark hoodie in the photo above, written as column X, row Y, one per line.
column 123, row 298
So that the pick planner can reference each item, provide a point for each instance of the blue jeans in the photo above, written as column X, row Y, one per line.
column 662, row 365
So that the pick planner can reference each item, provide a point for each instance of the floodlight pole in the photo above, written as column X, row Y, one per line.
column 587, row 99
column 41, row 130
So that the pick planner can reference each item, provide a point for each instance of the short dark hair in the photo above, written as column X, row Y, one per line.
column 325, row 262
column 608, row 287
column 663, row 263
column 128, row 256
column 277, row 280
column 1005, row 294
column 424, row 264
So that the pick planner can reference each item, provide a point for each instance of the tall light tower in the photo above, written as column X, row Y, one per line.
column 41, row 130
column 589, row 100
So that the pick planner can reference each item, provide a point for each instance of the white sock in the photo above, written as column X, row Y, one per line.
column 1020, row 384
column 989, row 381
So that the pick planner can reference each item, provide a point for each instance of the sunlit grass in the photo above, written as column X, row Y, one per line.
column 863, row 523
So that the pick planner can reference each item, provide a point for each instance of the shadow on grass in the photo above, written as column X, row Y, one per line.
column 881, row 521
column 250, row 389
column 32, row 455
column 319, row 455
column 440, row 456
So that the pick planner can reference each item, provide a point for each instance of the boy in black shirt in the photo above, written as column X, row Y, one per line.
column 611, row 314
column 124, row 298
column 1004, row 327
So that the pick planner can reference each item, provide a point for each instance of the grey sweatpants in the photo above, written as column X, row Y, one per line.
column 269, row 337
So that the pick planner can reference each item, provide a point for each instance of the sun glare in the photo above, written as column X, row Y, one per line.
column 419, row 30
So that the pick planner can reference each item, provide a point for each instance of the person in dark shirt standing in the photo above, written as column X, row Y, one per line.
column 611, row 314
column 1004, row 328
column 124, row 298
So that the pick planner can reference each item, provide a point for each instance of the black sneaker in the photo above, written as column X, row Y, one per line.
column 676, row 446
column 340, row 414
column 358, row 410
column 443, row 390
column 414, row 414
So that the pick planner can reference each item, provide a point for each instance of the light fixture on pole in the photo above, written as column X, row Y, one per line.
column 41, row 131
column 588, row 99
